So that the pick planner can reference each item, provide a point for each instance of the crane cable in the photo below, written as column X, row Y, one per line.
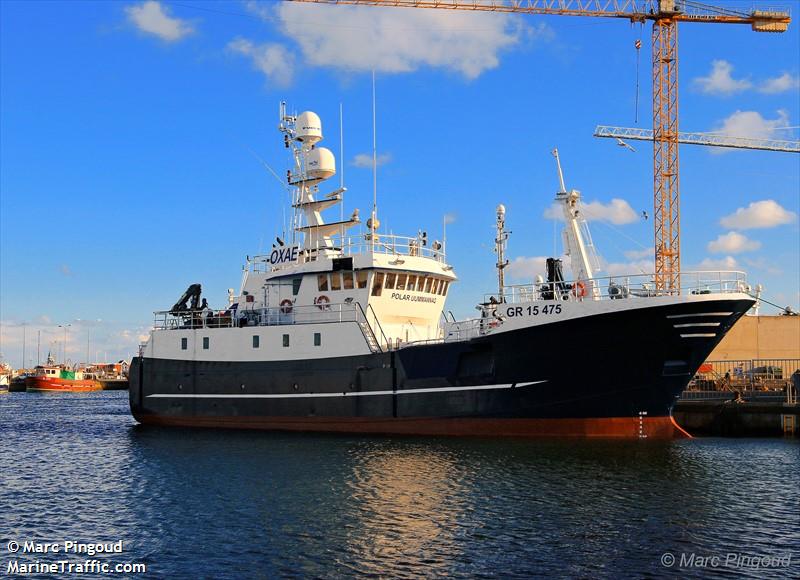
column 638, row 45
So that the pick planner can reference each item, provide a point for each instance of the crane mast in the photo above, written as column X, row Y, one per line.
column 665, row 14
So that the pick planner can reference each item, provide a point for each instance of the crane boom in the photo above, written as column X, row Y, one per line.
column 665, row 15
column 711, row 139
column 635, row 10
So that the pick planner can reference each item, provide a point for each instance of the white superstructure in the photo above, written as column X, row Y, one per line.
column 392, row 289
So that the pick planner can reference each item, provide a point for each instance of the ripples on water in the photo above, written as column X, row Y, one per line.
column 195, row 503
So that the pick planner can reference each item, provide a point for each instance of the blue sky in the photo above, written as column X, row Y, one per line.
column 126, row 131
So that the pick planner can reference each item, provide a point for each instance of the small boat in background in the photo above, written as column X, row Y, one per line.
column 60, row 379
column 5, row 377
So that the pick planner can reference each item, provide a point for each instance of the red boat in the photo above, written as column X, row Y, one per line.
column 58, row 379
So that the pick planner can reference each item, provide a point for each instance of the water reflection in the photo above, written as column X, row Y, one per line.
column 199, row 503
column 407, row 501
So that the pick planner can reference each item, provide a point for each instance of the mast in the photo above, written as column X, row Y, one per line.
column 575, row 245
column 500, row 242
column 312, row 165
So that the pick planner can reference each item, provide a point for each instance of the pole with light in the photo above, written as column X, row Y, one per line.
column 65, row 327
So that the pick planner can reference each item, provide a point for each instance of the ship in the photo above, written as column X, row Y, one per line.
column 53, row 378
column 342, row 327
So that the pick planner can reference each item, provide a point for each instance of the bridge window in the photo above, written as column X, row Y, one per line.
column 401, row 282
column 443, row 288
column 206, row 342
column 317, row 339
column 428, row 283
column 361, row 278
column 296, row 285
column 336, row 281
column 184, row 343
column 322, row 282
column 256, row 341
column 435, row 286
column 348, row 280
column 377, row 284
column 390, row 278
column 286, row 340
column 412, row 283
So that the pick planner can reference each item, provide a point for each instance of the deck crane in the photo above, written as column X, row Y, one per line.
column 665, row 15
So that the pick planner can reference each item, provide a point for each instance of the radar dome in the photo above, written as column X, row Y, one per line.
column 320, row 163
column 308, row 128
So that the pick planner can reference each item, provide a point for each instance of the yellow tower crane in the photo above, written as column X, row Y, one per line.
column 665, row 14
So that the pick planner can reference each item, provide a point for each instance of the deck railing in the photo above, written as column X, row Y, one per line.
column 344, row 246
column 623, row 287
column 274, row 316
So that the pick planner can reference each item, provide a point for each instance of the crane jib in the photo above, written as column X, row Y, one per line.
column 634, row 10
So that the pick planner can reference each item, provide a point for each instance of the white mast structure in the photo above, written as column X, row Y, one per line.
column 500, row 242
column 578, row 244
column 312, row 166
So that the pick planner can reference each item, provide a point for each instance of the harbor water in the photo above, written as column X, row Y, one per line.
column 233, row 504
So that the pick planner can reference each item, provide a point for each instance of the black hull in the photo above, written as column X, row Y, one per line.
column 608, row 374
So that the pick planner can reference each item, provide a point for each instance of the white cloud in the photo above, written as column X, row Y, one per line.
column 639, row 254
column 365, row 159
column 726, row 263
column 751, row 124
column 720, row 82
column 632, row 268
column 617, row 211
column 397, row 40
column 781, row 84
column 759, row 214
column 764, row 265
column 151, row 18
column 732, row 243
column 527, row 268
column 272, row 59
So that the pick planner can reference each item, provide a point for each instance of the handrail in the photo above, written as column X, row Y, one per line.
column 378, row 324
column 360, row 244
column 618, row 287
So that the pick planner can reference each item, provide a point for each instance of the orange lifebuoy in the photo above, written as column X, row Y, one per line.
column 322, row 302
column 286, row 306
column 579, row 290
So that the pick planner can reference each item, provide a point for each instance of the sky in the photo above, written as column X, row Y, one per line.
column 133, row 138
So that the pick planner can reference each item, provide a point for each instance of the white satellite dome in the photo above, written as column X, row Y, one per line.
column 320, row 163
column 308, row 128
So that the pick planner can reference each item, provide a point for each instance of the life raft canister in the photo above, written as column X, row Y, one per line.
column 322, row 302
column 286, row 306
column 579, row 290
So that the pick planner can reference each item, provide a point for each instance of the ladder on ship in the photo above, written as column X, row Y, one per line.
column 366, row 328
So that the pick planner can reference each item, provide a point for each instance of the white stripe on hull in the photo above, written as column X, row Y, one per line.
column 344, row 393
column 698, row 314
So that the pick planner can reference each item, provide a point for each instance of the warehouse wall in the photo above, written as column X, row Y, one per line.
column 763, row 337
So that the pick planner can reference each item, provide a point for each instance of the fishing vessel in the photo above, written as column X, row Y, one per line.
column 5, row 377
column 57, row 378
column 342, row 327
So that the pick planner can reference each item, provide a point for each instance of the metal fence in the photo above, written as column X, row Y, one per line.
column 753, row 379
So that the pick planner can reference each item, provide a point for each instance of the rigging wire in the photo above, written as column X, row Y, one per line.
column 767, row 301
column 638, row 45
